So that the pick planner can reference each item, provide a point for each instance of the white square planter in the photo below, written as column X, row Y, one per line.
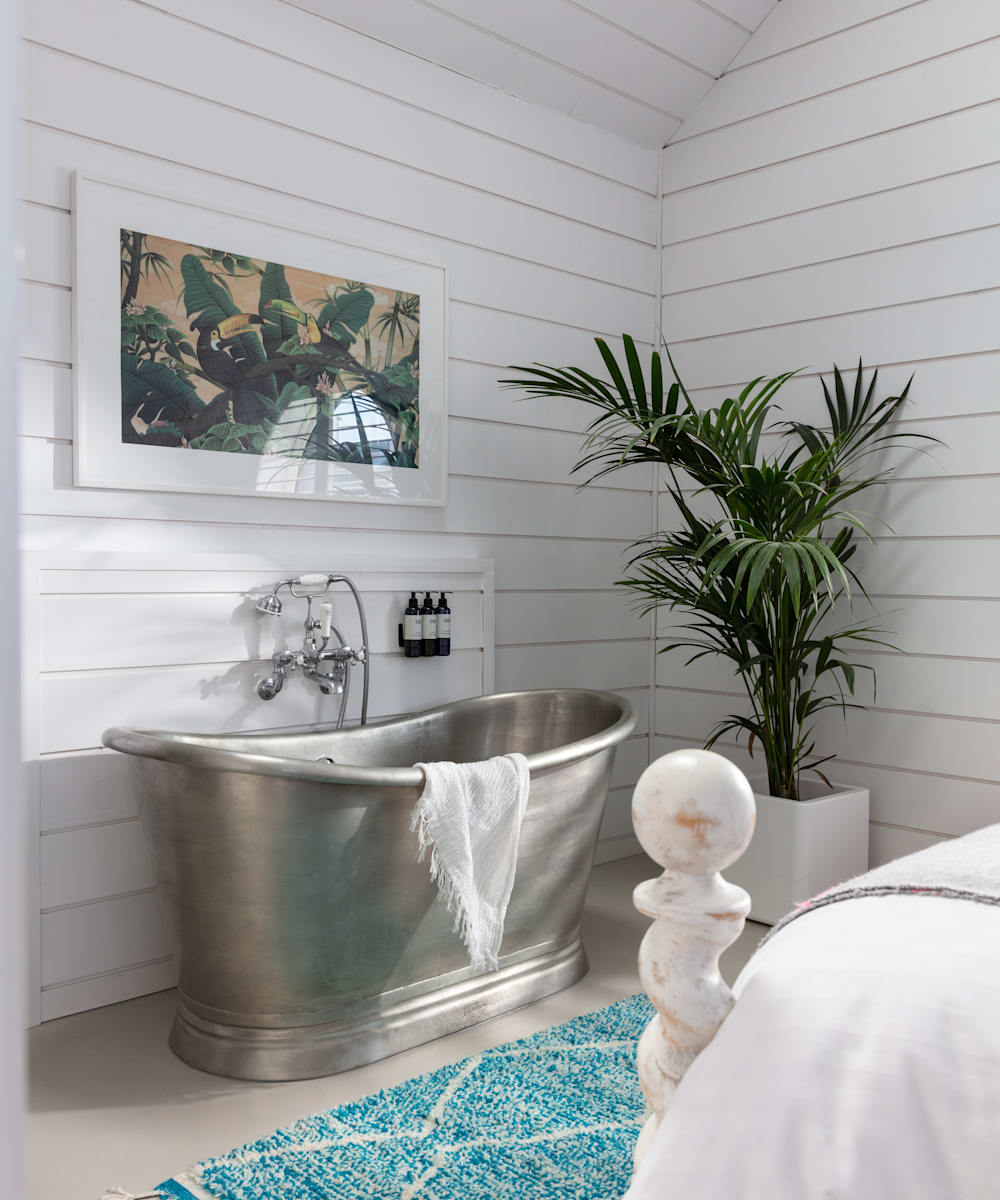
column 801, row 847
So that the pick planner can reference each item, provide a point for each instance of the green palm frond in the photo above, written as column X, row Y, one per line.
column 759, row 565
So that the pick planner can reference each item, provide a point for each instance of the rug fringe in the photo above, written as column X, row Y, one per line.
column 119, row 1193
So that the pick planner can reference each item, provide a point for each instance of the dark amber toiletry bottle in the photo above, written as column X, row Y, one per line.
column 443, row 613
column 411, row 628
column 428, row 628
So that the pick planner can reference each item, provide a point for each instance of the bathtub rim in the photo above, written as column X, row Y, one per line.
column 174, row 747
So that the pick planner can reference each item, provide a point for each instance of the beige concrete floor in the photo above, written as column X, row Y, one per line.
column 111, row 1105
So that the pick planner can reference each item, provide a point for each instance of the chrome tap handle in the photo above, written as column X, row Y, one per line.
column 282, row 662
column 271, row 685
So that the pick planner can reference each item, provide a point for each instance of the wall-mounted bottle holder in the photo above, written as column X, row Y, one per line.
column 425, row 631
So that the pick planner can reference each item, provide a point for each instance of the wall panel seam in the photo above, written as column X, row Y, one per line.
column 856, row 141
column 822, row 262
column 870, row 708
column 846, row 87
column 110, row 973
column 55, row 831
column 320, row 203
column 273, row 123
column 851, row 312
column 408, row 104
column 898, row 362
column 57, row 908
column 798, row 212
column 853, row 762
column 638, row 37
column 823, row 37
column 525, row 49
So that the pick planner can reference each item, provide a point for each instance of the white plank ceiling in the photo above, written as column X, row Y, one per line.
column 633, row 67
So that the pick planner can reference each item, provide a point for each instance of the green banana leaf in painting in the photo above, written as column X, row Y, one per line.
column 332, row 376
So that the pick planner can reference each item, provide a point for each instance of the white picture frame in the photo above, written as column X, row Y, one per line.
column 102, row 210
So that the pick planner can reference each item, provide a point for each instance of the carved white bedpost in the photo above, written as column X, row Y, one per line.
column 693, row 813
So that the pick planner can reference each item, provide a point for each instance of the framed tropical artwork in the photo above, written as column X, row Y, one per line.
column 218, row 352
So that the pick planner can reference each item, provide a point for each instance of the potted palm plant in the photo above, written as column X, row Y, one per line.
column 759, row 566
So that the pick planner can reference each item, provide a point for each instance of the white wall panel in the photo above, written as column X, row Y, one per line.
column 590, row 50
column 880, row 103
column 953, row 687
column 932, row 208
column 522, row 562
column 229, row 143
column 136, row 630
column 80, row 865
column 899, row 568
column 463, row 46
column 46, row 400
column 887, row 842
column 836, row 196
column 138, row 664
column 960, row 263
column 684, row 28
column 634, row 67
column 921, row 625
column 950, row 326
column 418, row 84
column 614, row 665
column 107, row 935
column 631, row 760
column 532, row 617
column 45, row 327
column 845, row 57
column 93, row 991
column 78, row 790
column 953, row 141
column 618, row 815
column 797, row 25
column 933, row 745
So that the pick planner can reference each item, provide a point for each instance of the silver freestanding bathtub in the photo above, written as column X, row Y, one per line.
column 309, row 937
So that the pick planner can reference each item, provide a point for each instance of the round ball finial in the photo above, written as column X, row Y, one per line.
column 693, row 811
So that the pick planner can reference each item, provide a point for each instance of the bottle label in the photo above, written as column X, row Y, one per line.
column 444, row 625
column 429, row 625
column 411, row 627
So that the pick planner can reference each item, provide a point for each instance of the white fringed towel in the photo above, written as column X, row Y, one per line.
column 469, row 816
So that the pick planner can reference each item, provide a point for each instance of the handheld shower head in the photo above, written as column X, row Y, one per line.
column 270, row 605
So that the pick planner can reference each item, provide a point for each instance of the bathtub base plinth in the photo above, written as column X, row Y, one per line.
column 309, row 1051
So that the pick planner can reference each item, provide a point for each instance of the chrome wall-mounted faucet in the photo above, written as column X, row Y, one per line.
column 316, row 649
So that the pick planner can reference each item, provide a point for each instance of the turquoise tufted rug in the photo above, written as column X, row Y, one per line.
column 550, row 1117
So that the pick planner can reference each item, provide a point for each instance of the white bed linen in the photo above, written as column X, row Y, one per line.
column 861, row 1062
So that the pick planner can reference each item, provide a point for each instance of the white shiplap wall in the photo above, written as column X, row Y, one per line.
column 838, row 194
column 633, row 67
column 548, row 231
